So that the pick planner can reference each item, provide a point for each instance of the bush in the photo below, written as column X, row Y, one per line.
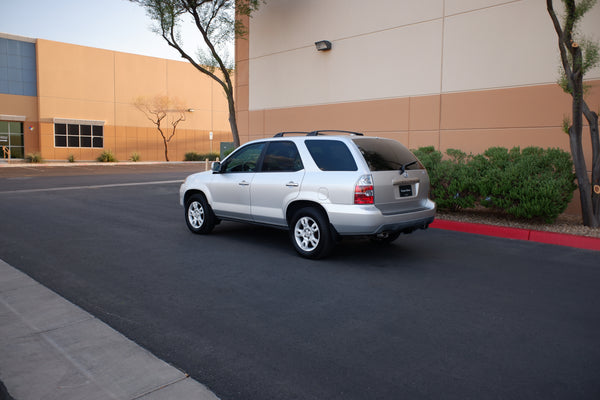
column 71, row 158
column 135, row 157
column 193, row 156
column 533, row 183
column 453, row 184
column 34, row 158
column 107, row 156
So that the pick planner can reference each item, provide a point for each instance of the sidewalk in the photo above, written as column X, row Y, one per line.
column 52, row 349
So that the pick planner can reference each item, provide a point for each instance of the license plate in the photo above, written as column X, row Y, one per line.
column 406, row 191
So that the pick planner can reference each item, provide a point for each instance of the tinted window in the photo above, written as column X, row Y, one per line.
column 331, row 155
column 282, row 157
column 245, row 159
column 386, row 155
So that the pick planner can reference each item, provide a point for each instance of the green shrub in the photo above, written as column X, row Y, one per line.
column 533, row 183
column 135, row 157
column 193, row 156
column 107, row 156
column 34, row 158
column 453, row 184
column 71, row 158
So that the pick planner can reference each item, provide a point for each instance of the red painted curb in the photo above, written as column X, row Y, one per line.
column 561, row 239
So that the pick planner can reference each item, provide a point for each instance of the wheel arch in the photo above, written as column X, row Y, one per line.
column 294, row 206
column 192, row 192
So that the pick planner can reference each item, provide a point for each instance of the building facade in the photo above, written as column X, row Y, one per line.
column 465, row 74
column 62, row 100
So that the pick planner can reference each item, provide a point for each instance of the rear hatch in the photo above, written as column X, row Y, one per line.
column 400, row 181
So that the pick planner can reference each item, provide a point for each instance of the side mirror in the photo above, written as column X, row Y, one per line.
column 216, row 167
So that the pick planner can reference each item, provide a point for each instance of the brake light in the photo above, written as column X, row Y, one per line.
column 363, row 192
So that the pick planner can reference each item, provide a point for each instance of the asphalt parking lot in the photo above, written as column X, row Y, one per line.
column 438, row 314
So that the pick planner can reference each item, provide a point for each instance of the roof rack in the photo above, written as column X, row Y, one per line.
column 317, row 133
column 281, row 134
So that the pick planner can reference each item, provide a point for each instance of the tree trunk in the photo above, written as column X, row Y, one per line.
column 592, row 119
column 166, row 149
column 232, row 119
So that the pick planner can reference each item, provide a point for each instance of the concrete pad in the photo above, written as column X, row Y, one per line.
column 32, row 369
column 112, row 360
column 52, row 349
column 40, row 308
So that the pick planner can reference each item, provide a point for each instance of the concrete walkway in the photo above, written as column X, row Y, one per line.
column 51, row 349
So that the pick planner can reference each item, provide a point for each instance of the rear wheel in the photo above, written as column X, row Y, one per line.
column 199, row 216
column 310, row 233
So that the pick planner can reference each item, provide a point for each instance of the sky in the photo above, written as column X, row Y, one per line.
column 107, row 24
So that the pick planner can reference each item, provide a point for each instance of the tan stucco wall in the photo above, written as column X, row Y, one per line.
column 399, row 49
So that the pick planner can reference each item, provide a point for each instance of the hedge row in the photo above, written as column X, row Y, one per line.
column 534, row 183
column 193, row 156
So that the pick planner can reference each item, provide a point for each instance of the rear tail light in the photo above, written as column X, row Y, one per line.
column 363, row 192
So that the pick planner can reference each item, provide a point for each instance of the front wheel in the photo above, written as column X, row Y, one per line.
column 310, row 233
column 199, row 216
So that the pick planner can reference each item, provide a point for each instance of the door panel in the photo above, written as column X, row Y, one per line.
column 277, row 183
column 270, row 192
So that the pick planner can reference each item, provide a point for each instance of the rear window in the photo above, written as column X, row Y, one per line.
column 386, row 154
column 331, row 155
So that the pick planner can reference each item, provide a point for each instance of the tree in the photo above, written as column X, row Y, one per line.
column 217, row 23
column 163, row 112
column 578, row 56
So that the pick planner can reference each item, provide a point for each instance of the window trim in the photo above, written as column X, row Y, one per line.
column 79, row 122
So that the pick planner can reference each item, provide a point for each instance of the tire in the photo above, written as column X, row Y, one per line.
column 199, row 217
column 385, row 238
column 310, row 233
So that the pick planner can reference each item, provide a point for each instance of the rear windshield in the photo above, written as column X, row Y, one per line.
column 331, row 155
column 386, row 154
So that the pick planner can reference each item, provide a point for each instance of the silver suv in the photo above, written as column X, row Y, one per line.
column 319, row 187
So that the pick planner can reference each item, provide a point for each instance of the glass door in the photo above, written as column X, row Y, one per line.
column 11, row 139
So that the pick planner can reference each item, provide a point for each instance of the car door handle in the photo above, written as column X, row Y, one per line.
column 244, row 183
column 291, row 184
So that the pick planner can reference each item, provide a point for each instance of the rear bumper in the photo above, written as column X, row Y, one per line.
column 368, row 220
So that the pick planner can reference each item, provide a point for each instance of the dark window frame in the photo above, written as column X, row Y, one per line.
column 78, row 134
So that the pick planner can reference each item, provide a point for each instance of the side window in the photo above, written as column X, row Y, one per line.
column 245, row 159
column 282, row 157
column 331, row 155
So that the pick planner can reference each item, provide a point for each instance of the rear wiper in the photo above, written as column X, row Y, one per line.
column 404, row 166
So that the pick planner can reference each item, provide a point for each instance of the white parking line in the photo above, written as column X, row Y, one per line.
column 56, row 189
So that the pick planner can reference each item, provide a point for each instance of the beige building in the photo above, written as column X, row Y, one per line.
column 467, row 74
column 60, row 99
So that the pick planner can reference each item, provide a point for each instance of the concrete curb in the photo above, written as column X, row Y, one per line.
column 560, row 239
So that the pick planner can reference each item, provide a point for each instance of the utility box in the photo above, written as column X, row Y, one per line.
column 226, row 148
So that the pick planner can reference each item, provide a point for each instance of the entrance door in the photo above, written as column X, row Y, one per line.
column 11, row 139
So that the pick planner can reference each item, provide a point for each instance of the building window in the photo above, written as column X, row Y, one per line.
column 17, row 67
column 11, row 139
column 78, row 134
